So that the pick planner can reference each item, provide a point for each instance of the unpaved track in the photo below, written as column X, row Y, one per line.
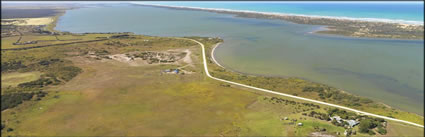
column 292, row 96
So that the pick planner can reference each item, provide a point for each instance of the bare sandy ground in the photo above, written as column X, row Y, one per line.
column 28, row 21
column 319, row 134
column 123, row 58
column 128, row 60
column 187, row 58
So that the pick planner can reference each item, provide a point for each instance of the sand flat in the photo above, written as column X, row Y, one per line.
column 28, row 21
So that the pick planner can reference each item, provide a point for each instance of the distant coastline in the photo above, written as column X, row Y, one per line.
column 403, row 22
column 346, row 26
column 188, row 13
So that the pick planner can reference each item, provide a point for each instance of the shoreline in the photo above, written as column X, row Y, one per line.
column 338, row 26
column 213, row 58
column 293, row 96
column 410, row 124
column 263, row 75
column 319, row 33
column 402, row 22
column 218, row 64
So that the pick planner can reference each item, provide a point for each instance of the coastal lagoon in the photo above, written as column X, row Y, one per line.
column 390, row 71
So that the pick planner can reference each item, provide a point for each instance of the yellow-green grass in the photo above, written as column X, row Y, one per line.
column 293, row 86
column 15, row 78
column 402, row 130
column 261, row 124
column 35, row 37
column 308, row 127
column 113, row 98
column 8, row 42
column 116, row 103
column 42, row 40
column 408, row 116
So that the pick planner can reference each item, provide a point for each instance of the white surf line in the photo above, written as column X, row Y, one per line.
column 292, row 96
column 398, row 21
column 212, row 55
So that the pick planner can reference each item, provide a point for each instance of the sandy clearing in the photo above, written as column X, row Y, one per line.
column 132, row 61
column 128, row 60
column 187, row 58
column 28, row 21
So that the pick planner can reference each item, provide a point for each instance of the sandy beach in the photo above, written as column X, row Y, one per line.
column 346, row 26
column 27, row 21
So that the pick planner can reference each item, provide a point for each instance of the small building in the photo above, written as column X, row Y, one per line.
column 337, row 119
column 352, row 123
column 175, row 71
column 300, row 124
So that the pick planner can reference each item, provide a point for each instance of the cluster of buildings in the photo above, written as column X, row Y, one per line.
column 351, row 123
column 24, row 43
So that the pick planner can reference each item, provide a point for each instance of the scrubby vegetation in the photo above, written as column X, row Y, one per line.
column 55, row 69
column 65, row 73
column 303, row 88
column 53, row 60
column 11, row 66
column 14, row 99
column 368, row 125
column 42, row 82
column 50, row 56
column 123, row 96
column 318, row 115
column 284, row 101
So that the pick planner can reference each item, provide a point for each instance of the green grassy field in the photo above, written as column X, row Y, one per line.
column 297, row 87
column 110, row 97
column 13, row 79
column 398, row 129
column 8, row 41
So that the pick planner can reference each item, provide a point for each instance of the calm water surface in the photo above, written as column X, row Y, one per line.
column 390, row 71
column 394, row 11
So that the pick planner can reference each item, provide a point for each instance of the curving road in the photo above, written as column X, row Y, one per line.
column 292, row 96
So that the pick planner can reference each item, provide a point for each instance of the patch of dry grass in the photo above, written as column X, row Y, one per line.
column 15, row 78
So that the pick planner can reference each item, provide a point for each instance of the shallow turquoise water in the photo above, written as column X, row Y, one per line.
column 401, row 11
column 390, row 71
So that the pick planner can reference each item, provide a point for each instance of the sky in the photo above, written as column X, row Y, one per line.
column 93, row 2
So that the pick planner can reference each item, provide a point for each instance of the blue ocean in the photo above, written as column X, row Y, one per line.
column 404, row 12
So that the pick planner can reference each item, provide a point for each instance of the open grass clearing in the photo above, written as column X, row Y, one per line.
column 114, row 98
column 15, row 78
